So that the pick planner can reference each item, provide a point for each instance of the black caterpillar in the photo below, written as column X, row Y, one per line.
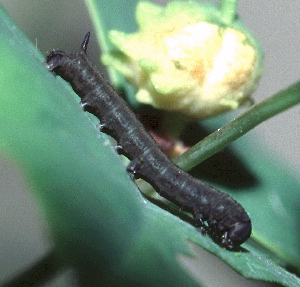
column 226, row 219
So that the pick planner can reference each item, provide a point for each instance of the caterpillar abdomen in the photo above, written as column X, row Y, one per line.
column 226, row 219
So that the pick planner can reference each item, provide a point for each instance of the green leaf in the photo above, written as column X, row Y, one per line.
column 65, row 158
column 99, row 221
column 273, row 177
column 95, row 212
column 276, row 192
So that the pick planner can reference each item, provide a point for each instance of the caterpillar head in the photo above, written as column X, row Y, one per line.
column 54, row 60
column 59, row 58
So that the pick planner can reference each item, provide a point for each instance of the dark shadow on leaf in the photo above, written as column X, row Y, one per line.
column 224, row 168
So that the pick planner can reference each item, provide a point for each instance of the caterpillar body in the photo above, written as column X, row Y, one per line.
column 213, row 211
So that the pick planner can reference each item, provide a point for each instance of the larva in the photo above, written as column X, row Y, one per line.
column 213, row 211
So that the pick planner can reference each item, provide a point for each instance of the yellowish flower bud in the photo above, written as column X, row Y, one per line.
column 186, row 59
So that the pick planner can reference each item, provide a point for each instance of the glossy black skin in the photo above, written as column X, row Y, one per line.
column 226, row 219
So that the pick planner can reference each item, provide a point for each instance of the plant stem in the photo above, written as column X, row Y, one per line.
column 238, row 127
column 228, row 10
column 36, row 275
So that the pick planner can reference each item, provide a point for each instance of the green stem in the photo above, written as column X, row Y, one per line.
column 228, row 10
column 101, row 12
column 241, row 125
column 39, row 273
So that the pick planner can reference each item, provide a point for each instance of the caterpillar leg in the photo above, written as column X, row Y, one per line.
column 133, row 168
column 200, row 223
